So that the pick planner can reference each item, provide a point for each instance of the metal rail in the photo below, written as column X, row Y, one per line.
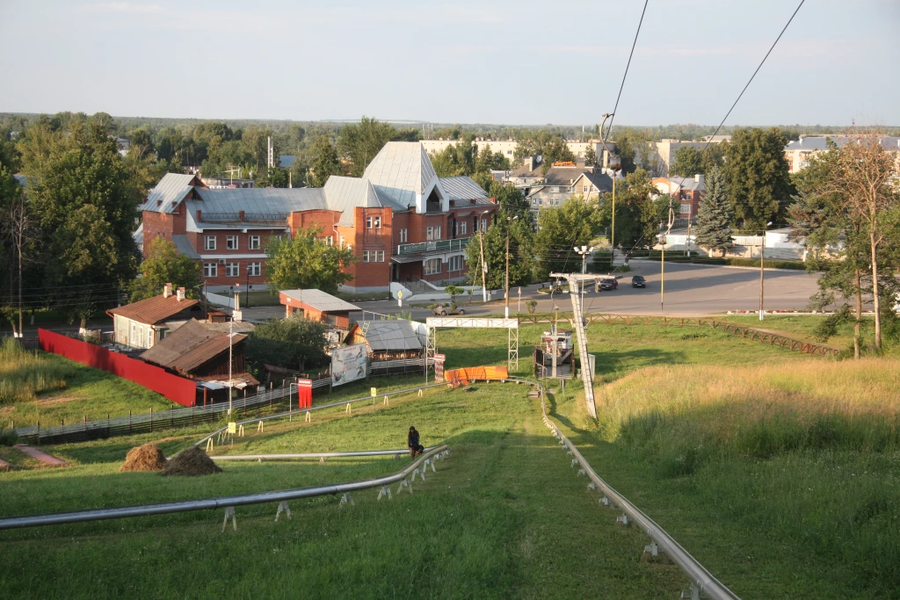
column 301, row 411
column 703, row 583
column 312, row 455
column 216, row 503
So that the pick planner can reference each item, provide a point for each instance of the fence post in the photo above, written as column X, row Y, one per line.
column 107, row 424
column 129, row 420
column 151, row 419
column 172, row 416
column 39, row 433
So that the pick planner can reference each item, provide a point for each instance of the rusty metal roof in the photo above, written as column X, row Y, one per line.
column 153, row 310
column 189, row 347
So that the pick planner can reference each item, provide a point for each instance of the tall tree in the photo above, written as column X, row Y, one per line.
column 560, row 228
column 714, row 217
column 323, row 162
column 359, row 144
column 84, row 201
column 521, row 252
column 637, row 214
column 633, row 147
column 306, row 261
column 756, row 172
column 165, row 264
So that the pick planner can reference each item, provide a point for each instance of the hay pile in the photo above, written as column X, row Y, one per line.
column 144, row 458
column 191, row 462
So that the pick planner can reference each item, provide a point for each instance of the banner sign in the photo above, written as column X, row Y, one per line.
column 348, row 364
column 439, row 366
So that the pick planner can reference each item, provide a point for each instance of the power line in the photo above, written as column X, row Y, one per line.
column 627, row 65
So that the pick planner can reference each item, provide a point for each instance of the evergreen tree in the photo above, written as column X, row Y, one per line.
column 756, row 172
column 713, row 230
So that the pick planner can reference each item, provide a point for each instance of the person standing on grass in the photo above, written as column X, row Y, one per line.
column 412, row 441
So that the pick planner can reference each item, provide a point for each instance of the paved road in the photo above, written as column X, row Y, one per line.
column 689, row 290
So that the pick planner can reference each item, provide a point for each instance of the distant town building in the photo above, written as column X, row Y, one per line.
column 400, row 219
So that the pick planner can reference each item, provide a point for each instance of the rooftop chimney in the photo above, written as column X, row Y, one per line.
column 180, row 294
column 167, row 290
column 697, row 178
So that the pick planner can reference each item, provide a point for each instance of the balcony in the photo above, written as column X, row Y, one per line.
column 435, row 246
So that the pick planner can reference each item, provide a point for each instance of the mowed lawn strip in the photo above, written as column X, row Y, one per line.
column 504, row 516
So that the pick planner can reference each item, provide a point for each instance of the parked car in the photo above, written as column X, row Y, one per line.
column 608, row 283
column 638, row 281
column 448, row 309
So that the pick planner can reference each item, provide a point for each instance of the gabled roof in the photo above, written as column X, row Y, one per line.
column 601, row 181
column 401, row 171
column 153, row 310
column 564, row 175
column 189, row 347
column 390, row 335
column 319, row 300
column 346, row 193
column 171, row 189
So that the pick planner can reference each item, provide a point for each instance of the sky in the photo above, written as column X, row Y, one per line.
column 479, row 61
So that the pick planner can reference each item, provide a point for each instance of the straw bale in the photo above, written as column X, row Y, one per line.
column 144, row 458
column 191, row 462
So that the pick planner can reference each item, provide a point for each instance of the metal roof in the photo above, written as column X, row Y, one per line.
column 401, row 171
column 153, row 310
column 184, row 246
column 189, row 347
column 390, row 335
column 462, row 188
column 170, row 190
column 346, row 193
column 319, row 300
column 601, row 181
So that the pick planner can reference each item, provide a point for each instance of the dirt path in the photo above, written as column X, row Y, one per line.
column 41, row 456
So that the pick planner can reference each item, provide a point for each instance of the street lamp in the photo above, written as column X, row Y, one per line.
column 509, row 221
column 762, row 269
column 584, row 251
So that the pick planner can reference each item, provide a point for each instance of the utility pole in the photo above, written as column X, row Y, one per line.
column 509, row 221
column 762, row 269
column 483, row 267
column 612, row 231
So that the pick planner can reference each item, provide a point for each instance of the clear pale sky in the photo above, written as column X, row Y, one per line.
column 504, row 61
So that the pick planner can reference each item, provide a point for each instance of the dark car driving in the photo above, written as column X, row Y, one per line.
column 638, row 281
column 608, row 283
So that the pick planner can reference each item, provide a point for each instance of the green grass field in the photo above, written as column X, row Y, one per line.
column 778, row 471
column 47, row 388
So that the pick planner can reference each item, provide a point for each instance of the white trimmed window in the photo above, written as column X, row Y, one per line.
column 433, row 233
column 462, row 225
column 373, row 222
column 254, row 269
column 456, row 263
column 329, row 240
column 432, row 266
column 232, row 269
column 210, row 270
column 484, row 223
column 231, row 242
column 209, row 242
column 253, row 243
column 404, row 235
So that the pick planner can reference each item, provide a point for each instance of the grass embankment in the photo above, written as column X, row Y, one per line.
column 42, row 387
column 783, row 480
column 504, row 517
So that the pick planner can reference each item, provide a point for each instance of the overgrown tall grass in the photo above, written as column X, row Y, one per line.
column 759, row 411
column 802, row 455
column 24, row 374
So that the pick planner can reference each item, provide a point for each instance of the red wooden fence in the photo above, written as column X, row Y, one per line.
column 175, row 388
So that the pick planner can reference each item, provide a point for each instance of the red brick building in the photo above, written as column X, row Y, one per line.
column 402, row 221
column 688, row 192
